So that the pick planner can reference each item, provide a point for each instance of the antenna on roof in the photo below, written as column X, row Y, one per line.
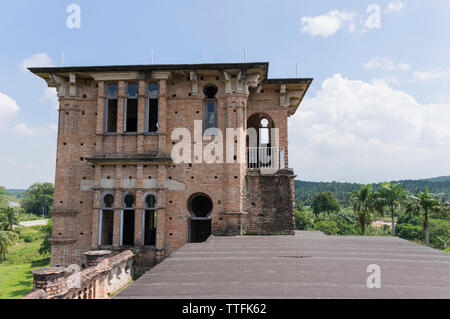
column 62, row 59
column 151, row 53
column 296, row 69
column 245, row 55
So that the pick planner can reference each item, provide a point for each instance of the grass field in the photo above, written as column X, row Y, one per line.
column 16, row 279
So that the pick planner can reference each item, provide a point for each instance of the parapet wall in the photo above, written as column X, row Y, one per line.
column 105, row 276
column 270, row 202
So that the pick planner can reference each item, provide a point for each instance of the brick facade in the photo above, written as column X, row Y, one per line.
column 92, row 163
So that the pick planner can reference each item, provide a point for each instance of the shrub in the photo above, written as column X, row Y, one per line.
column 304, row 220
column 410, row 232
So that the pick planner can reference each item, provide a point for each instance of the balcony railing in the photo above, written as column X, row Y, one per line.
column 265, row 157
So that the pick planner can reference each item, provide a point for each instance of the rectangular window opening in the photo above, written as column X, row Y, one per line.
column 132, row 116
column 150, row 228
column 153, row 115
column 111, row 119
column 128, row 228
column 107, row 228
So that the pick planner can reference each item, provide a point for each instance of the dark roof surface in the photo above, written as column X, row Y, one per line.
column 307, row 265
column 169, row 67
column 151, row 67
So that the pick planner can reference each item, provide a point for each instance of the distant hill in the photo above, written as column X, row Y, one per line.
column 18, row 193
column 305, row 191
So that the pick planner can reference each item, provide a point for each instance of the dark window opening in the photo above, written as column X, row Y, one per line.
column 112, row 92
column 106, row 238
column 132, row 115
column 210, row 107
column 211, row 91
column 200, row 205
column 128, row 228
column 153, row 115
column 150, row 227
column 111, row 120
column 200, row 230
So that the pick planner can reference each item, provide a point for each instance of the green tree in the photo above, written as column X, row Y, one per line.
column 6, row 241
column 424, row 203
column 9, row 217
column 38, row 199
column 46, row 234
column 390, row 196
column 362, row 202
column 324, row 202
column 3, row 190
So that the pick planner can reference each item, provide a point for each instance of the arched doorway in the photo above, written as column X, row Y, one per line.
column 200, row 206
column 259, row 141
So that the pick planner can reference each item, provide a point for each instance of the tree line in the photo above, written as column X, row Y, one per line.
column 305, row 191
column 36, row 201
column 413, row 211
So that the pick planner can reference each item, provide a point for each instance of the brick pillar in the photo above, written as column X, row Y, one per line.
column 95, row 257
column 100, row 115
column 117, row 213
column 141, row 116
column 138, row 219
column 51, row 280
column 120, row 116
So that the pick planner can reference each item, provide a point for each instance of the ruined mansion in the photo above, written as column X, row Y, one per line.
column 118, row 186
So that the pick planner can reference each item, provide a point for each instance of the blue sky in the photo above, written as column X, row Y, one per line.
column 378, row 109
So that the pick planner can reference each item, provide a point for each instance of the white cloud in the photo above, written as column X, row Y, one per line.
column 24, row 130
column 394, row 6
column 8, row 109
column 436, row 74
column 51, row 95
column 37, row 60
column 386, row 64
column 368, row 132
column 328, row 24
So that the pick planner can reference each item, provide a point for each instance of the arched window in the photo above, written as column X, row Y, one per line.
column 127, row 220
column 149, row 220
column 152, row 108
column 210, row 107
column 200, row 206
column 111, row 108
column 106, row 221
column 131, row 108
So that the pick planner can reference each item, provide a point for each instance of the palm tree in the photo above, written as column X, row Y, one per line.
column 424, row 203
column 9, row 218
column 390, row 196
column 6, row 241
column 362, row 202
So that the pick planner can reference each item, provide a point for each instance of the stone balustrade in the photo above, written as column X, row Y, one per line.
column 105, row 275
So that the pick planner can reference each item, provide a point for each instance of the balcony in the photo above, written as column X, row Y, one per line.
column 265, row 157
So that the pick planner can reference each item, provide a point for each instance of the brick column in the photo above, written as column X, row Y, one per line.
column 95, row 218
column 161, row 216
column 117, row 213
column 51, row 280
column 138, row 219
column 100, row 116
column 95, row 257
column 141, row 116
column 120, row 116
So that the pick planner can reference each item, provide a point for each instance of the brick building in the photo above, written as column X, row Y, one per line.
column 117, row 184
